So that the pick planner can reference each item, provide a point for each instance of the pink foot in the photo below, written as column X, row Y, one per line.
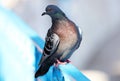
column 59, row 62
column 68, row 61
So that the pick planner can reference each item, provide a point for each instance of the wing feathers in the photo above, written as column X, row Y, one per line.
column 51, row 45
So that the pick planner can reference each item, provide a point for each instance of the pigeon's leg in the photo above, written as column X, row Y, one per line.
column 58, row 62
column 68, row 61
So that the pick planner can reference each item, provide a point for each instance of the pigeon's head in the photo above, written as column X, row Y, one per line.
column 54, row 12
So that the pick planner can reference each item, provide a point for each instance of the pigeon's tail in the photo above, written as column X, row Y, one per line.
column 44, row 67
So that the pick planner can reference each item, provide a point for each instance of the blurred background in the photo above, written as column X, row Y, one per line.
column 99, row 54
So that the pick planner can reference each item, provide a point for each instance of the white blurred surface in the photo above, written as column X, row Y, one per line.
column 95, row 75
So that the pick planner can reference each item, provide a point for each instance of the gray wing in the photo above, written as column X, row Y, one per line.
column 51, row 44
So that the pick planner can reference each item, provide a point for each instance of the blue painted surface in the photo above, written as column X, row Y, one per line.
column 19, row 57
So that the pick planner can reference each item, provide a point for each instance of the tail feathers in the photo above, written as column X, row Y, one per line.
column 43, row 69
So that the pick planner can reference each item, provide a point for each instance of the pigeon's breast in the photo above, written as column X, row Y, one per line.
column 67, row 33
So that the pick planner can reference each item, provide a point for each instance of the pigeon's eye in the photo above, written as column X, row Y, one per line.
column 49, row 9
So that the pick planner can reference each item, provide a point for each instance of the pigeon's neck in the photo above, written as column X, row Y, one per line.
column 57, row 23
column 58, row 17
column 56, row 20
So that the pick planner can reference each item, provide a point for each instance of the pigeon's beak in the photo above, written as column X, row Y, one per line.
column 44, row 13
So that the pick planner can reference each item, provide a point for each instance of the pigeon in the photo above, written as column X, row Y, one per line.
column 62, row 39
